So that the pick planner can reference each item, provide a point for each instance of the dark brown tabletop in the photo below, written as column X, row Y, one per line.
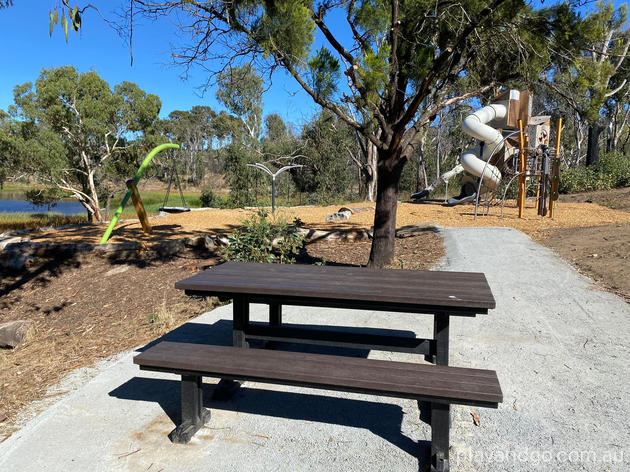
column 416, row 291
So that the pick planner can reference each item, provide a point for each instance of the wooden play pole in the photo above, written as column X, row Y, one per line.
column 137, row 203
column 521, row 169
column 555, row 173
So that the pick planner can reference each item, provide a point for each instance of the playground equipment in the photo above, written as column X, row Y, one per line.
column 505, row 129
column 132, row 191
column 264, row 168
column 172, row 209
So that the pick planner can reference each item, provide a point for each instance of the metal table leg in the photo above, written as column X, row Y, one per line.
column 226, row 388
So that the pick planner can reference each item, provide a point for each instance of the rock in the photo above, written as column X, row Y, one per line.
column 170, row 247
column 117, row 270
column 415, row 230
column 221, row 240
column 312, row 235
column 16, row 261
column 129, row 249
column 14, row 332
column 342, row 215
column 195, row 241
column 11, row 240
column 209, row 243
column 201, row 242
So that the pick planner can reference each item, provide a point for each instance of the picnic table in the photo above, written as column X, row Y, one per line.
column 437, row 293
column 440, row 294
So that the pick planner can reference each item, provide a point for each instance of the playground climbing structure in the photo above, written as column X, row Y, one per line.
column 513, row 147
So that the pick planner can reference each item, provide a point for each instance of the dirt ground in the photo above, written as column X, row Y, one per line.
column 85, row 309
column 617, row 199
column 600, row 251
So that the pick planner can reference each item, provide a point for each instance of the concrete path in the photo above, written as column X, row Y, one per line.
column 559, row 345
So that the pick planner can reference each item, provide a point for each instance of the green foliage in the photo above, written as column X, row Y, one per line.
column 71, row 17
column 240, row 90
column 262, row 240
column 327, row 174
column 209, row 199
column 44, row 196
column 324, row 73
column 68, row 126
column 611, row 171
column 286, row 27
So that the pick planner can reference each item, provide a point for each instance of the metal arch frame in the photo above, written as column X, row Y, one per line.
column 264, row 168
column 496, row 148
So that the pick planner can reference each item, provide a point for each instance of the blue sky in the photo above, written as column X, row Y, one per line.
column 27, row 48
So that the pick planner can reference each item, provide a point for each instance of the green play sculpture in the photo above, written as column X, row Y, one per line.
column 136, row 178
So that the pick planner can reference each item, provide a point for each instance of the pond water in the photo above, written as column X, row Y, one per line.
column 12, row 202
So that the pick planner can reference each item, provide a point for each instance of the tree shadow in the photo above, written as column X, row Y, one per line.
column 43, row 267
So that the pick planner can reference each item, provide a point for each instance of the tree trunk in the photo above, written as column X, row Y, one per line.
column 592, row 147
column 372, row 172
column 421, row 176
column 383, row 242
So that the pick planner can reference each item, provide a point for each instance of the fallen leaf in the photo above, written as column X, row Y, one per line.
column 475, row 419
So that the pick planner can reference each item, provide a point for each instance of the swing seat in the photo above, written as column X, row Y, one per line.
column 169, row 209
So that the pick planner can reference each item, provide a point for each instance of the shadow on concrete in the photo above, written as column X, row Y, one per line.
column 381, row 419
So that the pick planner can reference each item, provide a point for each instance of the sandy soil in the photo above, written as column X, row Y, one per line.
column 567, row 215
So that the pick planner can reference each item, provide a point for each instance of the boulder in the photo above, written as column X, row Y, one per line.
column 170, row 247
column 128, row 249
column 10, row 240
column 341, row 215
column 13, row 333
column 221, row 240
column 16, row 261
column 415, row 230
column 209, row 243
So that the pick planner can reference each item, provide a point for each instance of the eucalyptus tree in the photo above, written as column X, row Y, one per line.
column 591, row 72
column 385, row 73
column 194, row 131
column 72, row 124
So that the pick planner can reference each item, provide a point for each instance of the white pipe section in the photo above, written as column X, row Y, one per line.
column 445, row 177
column 475, row 125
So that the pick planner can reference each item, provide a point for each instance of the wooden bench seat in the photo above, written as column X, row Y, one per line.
column 439, row 385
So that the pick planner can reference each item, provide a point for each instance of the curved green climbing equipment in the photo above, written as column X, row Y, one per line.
column 135, row 179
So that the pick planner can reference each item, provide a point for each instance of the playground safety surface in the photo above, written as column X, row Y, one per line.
column 567, row 215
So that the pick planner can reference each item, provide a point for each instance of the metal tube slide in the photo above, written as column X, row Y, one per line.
column 475, row 125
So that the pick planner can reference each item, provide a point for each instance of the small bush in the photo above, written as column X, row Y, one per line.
column 261, row 240
column 209, row 199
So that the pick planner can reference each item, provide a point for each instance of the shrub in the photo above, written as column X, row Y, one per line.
column 209, row 199
column 611, row 171
column 261, row 240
